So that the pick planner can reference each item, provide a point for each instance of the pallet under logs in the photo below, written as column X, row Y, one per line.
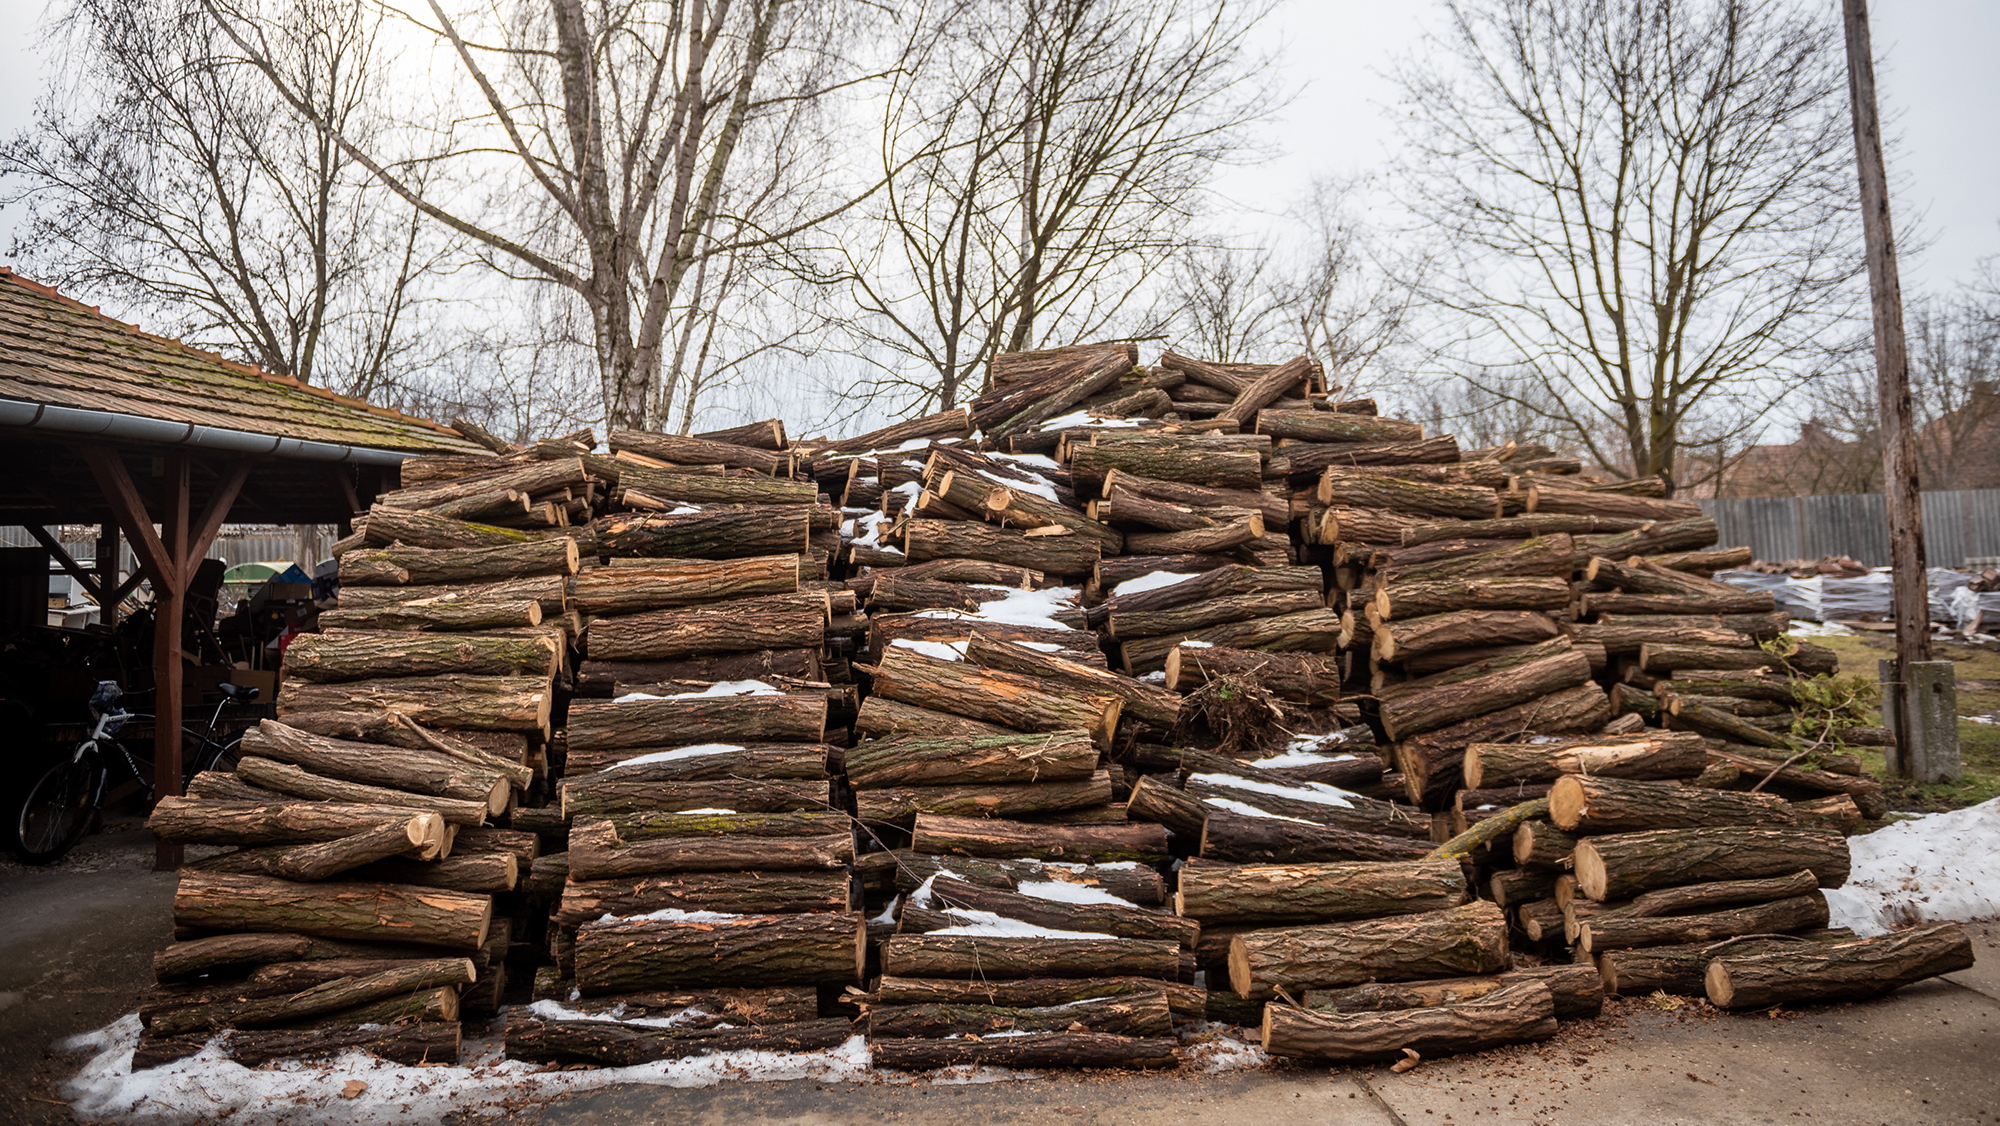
column 929, row 742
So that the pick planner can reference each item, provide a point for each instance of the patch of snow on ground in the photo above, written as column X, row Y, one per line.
column 678, row 753
column 556, row 1010
column 1818, row 629
column 1063, row 891
column 206, row 1088
column 942, row 650
column 1152, row 580
column 963, row 1074
column 1936, row 868
column 1318, row 792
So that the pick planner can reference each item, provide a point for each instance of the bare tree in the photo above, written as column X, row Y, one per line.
column 161, row 174
column 1044, row 159
column 605, row 134
column 1647, row 204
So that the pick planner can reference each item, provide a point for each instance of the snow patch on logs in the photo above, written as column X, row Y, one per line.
column 1062, row 892
column 942, row 650
column 1317, row 792
column 1017, row 608
column 556, row 1010
column 1246, row 810
column 1935, row 868
column 719, row 689
column 986, row 924
column 675, row 755
column 1152, row 580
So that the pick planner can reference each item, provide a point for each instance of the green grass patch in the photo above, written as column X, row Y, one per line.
column 1978, row 675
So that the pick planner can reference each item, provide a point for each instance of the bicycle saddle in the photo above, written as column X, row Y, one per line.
column 240, row 695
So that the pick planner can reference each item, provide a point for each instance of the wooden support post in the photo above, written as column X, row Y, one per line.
column 107, row 574
column 91, row 583
column 1900, row 486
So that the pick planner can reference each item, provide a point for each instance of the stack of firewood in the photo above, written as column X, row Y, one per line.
column 356, row 908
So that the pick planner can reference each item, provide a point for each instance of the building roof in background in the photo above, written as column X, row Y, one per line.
column 55, row 350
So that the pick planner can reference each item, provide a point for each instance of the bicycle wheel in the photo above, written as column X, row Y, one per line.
column 57, row 810
column 200, row 754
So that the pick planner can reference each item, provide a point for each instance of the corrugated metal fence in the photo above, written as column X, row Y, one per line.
column 233, row 545
column 1958, row 526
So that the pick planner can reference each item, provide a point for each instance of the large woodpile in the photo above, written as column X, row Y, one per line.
column 1120, row 698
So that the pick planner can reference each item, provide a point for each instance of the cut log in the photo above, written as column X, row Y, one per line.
column 1195, row 497
column 1619, row 866
column 202, row 821
column 997, row 958
column 327, row 997
column 1303, row 461
column 1403, row 601
column 609, row 1043
column 1185, row 1002
column 1299, row 677
column 1439, row 669
column 387, row 526
column 1866, row 792
column 1471, row 939
column 599, row 679
column 1723, row 893
column 1612, row 931
column 1836, row 971
column 284, row 778
column 1295, row 893
column 651, row 826
column 448, row 700
column 1156, row 799
column 624, row 955
column 1019, row 800
column 1514, row 1014
column 1307, row 631
column 1739, row 602
column 680, row 449
column 881, row 718
column 953, row 423
column 779, row 621
column 1120, row 920
column 703, row 762
column 1513, row 887
column 611, row 798
column 444, row 615
column 1197, row 616
column 1089, row 844
column 1241, row 528
column 1040, row 1050
column 1578, row 992
column 400, row 768
column 1240, row 788
column 595, row 725
column 322, row 859
column 1216, row 469
column 1541, row 556
column 1587, row 804
column 1703, row 563
column 597, row 853
column 551, row 591
column 342, row 654
column 682, row 582
column 1024, row 703
column 1459, row 629
column 1231, row 835
column 1679, row 969
column 1538, row 844
column 1430, row 762
column 488, row 872
column 1492, row 692
column 1369, row 490
column 711, row 533
column 1064, row 554
column 1331, row 426
column 1655, row 755
column 1141, row 1014
column 1579, row 502
column 361, row 911
column 1514, row 528
column 754, row 892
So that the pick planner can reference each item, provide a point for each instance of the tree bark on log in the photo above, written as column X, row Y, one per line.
column 1038, row 1050
column 1430, row 762
column 486, row 872
column 1836, row 971
column 753, row 892
column 1405, row 600
column 1515, row 1014
column 1331, row 426
column 1579, row 502
column 987, row 957
column 341, row 654
column 1025, row 799
column 1442, row 707
column 531, row 478
column 389, row 526
column 1723, row 893
column 622, row 956
column 600, row 679
column 1866, row 792
column 1271, row 894
column 1248, row 786
column 1240, row 528
column 1298, row 677
column 322, row 859
column 1611, row 931
column 1578, row 992
column 1703, row 563
column 1233, row 470
column 1587, row 804
column 780, row 621
column 284, row 778
column 669, row 488
column 1194, row 617
column 1617, row 638
column 448, row 700
column 1243, row 838
column 1459, row 629
column 607, row 1043
column 1538, row 844
column 1656, row 755
column 1471, row 939
column 881, row 718
column 699, row 763
column 1196, row 497
column 1621, row 865
column 610, row 799
column 202, row 821
column 597, row 853
column 1024, row 703
column 1305, row 461
column 443, row 615
column 1305, row 631
column 656, row 584
column 1740, row 602
column 1679, row 970
column 1185, row 1002
column 682, row 450
column 1154, row 798
column 595, row 725
column 1065, row 554
column 953, row 423
column 1142, row 1014
column 1441, row 669
column 1515, row 528
column 415, row 1045
column 712, row 533
column 1089, row 844
column 361, row 911
column 551, row 591
column 1232, row 580
column 325, row 996
column 1368, row 490
column 402, row 768
column 1143, row 702
column 1553, row 556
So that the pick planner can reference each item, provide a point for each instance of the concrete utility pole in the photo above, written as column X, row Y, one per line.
column 1920, row 696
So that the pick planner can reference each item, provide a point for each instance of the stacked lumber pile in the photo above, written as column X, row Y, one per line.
column 356, row 906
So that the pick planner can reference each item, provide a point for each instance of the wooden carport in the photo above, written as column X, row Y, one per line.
column 103, row 424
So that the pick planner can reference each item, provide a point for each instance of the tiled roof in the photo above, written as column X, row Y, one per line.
column 59, row 351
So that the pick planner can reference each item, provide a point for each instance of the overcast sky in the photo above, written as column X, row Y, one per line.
column 1939, row 78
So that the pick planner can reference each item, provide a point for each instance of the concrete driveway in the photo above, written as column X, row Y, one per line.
column 76, row 942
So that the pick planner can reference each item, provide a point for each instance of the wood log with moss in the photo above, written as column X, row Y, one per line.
column 448, row 700
column 1294, row 893
column 1621, row 865
column 1090, row 844
column 352, row 910
column 626, row 955
column 608, row 725
column 388, row 526
column 351, row 654
column 1024, row 703
column 1471, row 939
column 1517, row 1013
column 1836, row 971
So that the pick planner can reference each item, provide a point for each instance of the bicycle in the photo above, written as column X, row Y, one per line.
column 58, row 809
